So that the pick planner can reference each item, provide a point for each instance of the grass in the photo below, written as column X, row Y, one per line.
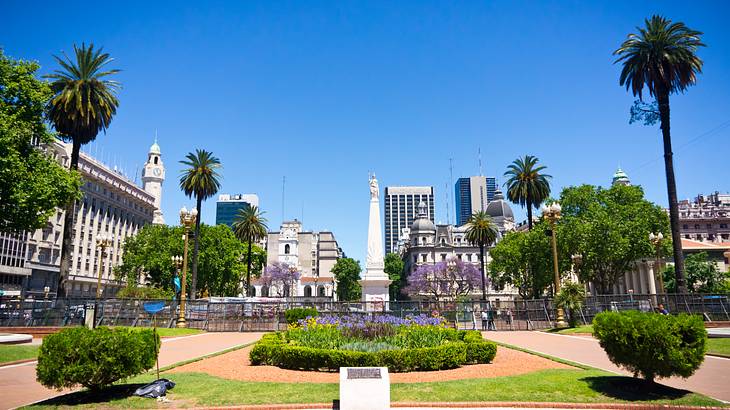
column 572, row 330
column 719, row 346
column 12, row 353
column 169, row 332
column 574, row 386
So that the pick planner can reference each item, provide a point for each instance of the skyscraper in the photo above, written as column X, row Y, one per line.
column 228, row 206
column 473, row 194
column 401, row 209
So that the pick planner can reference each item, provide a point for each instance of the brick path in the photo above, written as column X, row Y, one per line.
column 19, row 387
column 711, row 379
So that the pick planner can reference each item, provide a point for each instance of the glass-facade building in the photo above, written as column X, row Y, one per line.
column 401, row 209
column 473, row 194
column 228, row 206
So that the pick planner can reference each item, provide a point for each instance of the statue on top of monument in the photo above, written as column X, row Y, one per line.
column 374, row 189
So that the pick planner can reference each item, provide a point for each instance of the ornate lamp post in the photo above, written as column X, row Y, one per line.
column 552, row 214
column 102, row 242
column 657, row 239
column 187, row 219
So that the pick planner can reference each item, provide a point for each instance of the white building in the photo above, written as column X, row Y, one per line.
column 112, row 204
column 313, row 254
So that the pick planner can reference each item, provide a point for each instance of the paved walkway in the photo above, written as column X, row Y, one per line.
column 711, row 379
column 18, row 385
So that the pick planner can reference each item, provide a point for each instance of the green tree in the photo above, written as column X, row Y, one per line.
column 610, row 228
column 200, row 180
column 526, row 184
column 523, row 260
column 32, row 183
column 482, row 232
column 249, row 226
column 394, row 268
column 703, row 276
column 347, row 275
column 147, row 256
column 570, row 298
column 83, row 103
column 662, row 58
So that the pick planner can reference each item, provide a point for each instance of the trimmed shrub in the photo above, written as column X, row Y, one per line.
column 95, row 358
column 296, row 314
column 481, row 352
column 652, row 345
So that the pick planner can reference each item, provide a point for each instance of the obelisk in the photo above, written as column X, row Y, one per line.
column 375, row 282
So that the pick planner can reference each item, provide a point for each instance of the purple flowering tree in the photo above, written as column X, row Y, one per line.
column 444, row 280
column 282, row 276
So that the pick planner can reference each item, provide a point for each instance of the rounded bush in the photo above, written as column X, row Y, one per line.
column 652, row 345
column 296, row 314
column 95, row 358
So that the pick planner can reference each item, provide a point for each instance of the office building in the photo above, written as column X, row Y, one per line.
column 705, row 218
column 473, row 194
column 227, row 207
column 111, row 204
column 401, row 209
column 312, row 254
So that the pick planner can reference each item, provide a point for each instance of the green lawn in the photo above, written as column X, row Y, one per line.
column 572, row 330
column 11, row 353
column 719, row 346
column 576, row 386
column 170, row 332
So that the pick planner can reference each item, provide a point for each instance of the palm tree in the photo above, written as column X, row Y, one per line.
column 199, row 180
column 663, row 58
column 83, row 103
column 483, row 232
column 526, row 185
column 250, row 226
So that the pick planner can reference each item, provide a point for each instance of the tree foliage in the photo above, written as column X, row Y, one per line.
column 250, row 226
column 394, row 268
column 527, row 184
column 703, row 276
column 570, row 298
column 347, row 275
column 148, row 255
column 610, row 228
column 523, row 260
column 482, row 232
column 32, row 183
column 445, row 280
column 282, row 277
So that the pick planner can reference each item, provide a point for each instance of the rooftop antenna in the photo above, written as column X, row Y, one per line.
column 448, row 204
column 451, row 185
column 479, row 154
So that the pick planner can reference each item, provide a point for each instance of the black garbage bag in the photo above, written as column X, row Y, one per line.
column 157, row 388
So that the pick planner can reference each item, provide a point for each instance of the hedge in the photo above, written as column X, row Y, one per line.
column 95, row 358
column 294, row 315
column 652, row 345
column 273, row 350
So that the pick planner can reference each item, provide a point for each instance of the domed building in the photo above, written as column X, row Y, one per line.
column 501, row 213
column 620, row 178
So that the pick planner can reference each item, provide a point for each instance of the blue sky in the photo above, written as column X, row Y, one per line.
column 324, row 92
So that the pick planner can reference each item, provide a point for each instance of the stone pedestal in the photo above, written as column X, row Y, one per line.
column 375, row 282
column 364, row 388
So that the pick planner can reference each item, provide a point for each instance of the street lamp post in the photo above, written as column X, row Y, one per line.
column 552, row 213
column 187, row 219
column 657, row 239
column 102, row 242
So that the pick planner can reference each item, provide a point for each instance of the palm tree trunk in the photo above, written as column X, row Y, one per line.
column 248, row 271
column 663, row 100
column 481, row 268
column 196, row 246
column 529, row 215
column 68, row 221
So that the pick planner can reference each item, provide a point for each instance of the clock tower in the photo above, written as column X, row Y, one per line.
column 153, row 174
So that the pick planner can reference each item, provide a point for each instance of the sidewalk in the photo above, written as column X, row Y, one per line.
column 711, row 379
column 19, row 387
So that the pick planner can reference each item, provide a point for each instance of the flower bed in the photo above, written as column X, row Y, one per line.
column 412, row 344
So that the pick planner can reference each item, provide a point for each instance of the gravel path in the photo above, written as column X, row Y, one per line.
column 236, row 366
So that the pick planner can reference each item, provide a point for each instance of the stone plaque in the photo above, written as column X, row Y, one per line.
column 363, row 373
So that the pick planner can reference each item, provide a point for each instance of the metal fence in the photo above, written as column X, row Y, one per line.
column 241, row 316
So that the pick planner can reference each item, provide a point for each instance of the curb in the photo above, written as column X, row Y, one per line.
column 472, row 405
column 13, row 363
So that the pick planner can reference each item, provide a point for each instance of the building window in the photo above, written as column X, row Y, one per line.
column 424, row 256
column 685, row 226
column 287, row 249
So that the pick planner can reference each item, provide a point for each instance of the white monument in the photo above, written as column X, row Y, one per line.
column 375, row 281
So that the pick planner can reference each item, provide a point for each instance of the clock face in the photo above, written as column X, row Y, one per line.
column 157, row 172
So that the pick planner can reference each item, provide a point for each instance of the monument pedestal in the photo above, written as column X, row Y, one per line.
column 375, row 282
column 364, row 388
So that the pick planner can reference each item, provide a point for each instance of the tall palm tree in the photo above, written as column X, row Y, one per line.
column 526, row 184
column 250, row 226
column 663, row 58
column 200, row 180
column 483, row 232
column 83, row 103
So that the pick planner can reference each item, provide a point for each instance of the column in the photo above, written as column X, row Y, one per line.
column 650, row 279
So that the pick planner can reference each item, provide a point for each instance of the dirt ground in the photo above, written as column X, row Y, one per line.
column 236, row 366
